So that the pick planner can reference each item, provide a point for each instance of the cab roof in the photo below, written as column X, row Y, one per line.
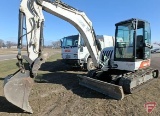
column 130, row 20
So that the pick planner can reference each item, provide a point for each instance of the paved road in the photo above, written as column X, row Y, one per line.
column 7, row 57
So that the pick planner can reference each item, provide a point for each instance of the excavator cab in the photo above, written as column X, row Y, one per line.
column 133, row 40
column 130, row 71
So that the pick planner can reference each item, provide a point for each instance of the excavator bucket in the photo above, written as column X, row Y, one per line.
column 111, row 90
column 17, row 88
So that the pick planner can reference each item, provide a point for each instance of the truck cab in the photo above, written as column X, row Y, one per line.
column 75, row 52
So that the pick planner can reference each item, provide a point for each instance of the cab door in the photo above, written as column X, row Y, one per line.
column 82, row 48
column 147, row 41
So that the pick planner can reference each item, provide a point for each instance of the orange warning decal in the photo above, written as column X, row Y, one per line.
column 145, row 63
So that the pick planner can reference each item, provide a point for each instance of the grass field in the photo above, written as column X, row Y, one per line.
column 10, row 51
column 7, row 67
column 15, row 51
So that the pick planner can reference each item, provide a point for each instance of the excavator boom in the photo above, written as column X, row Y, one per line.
column 18, row 85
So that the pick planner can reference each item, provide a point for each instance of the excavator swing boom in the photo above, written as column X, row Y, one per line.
column 18, row 85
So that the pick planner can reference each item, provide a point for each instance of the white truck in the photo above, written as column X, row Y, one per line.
column 75, row 52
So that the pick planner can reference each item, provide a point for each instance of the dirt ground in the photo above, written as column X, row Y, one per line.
column 56, row 92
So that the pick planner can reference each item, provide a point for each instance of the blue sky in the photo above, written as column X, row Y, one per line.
column 103, row 14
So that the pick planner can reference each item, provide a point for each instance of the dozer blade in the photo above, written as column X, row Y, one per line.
column 111, row 90
column 17, row 88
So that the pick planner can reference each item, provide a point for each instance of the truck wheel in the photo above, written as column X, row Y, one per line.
column 90, row 65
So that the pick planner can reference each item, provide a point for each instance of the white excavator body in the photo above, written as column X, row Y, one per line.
column 119, row 69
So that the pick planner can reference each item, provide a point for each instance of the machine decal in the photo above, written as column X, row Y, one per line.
column 144, row 64
column 67, row 50
column 108, row 53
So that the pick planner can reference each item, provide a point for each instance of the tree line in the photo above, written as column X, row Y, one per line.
column 56, row 44
column 7, row 44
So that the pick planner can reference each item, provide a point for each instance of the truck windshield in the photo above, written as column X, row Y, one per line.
column 70, row 41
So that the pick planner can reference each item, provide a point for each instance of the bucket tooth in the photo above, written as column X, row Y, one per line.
column 111, row 90
column 17, row 88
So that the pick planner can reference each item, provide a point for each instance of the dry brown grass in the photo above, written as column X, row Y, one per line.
column 24, row 50
column 10, row 51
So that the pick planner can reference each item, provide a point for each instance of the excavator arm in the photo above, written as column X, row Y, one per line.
column 32, row 10
column 18, row 85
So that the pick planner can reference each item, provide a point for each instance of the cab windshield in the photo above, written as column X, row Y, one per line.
column 124, row 41
column 70, row 41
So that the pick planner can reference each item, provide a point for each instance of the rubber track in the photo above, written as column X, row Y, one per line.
column 137, row 74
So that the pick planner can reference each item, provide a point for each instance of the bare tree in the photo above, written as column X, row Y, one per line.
column 14, row 44
column 56, row 44
column 1, row 43
column 8, row 44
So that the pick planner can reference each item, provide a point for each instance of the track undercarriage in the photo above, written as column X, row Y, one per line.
column 114, row 83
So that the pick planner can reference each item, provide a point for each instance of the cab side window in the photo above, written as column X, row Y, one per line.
column 82, row 42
